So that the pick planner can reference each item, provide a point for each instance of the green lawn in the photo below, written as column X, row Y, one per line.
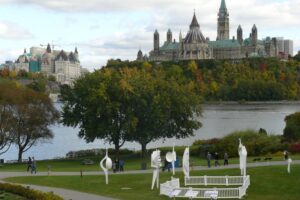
column 74, row 165
column 267, row 183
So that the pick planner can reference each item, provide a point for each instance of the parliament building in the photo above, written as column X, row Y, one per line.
column 195, row 46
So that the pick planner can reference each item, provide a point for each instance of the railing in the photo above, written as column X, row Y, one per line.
column 214, row 180
column 243, row 189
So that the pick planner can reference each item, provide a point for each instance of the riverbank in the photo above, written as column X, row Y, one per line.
column 251, row 103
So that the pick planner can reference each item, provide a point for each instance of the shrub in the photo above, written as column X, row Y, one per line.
column 291, row 131
column 295, row 148
column 256, row 143
column 28, row 193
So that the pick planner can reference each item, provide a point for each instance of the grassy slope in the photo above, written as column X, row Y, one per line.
column 267, row 183
column 130, row 164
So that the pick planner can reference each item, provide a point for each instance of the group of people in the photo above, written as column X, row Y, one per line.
column 216, row 159
column 118, row 165
column 31, row 165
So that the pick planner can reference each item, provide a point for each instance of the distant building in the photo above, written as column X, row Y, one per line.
column 7, row 65
column 196, row 46
column 65, row 66
column 280, row 44
column 289, row 47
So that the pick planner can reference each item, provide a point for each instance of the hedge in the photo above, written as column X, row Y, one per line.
column 28, row 193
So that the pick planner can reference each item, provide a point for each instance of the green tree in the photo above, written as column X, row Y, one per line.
column 163, row 106
column 97, row 103
column 291, row 131
column 29, row 114
column 38, row 85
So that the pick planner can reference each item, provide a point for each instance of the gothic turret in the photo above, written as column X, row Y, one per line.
column 169, row 36
column 194, row 35
column 156, row 40
column 240, row 34
column 76, row 51
column 180, row 36
column 223, row 22
column 25, row 51
column 48, row 48
column 194, row 23
column 254, row 35
column 140, row 56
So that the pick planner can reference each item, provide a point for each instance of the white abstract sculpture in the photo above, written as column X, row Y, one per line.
column 186, row 162
column 243, row 158
column 156, row 164
column 108, row 165
column 289, row 165
column 171, row 157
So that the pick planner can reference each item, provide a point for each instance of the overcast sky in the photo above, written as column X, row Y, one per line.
column 103, row 29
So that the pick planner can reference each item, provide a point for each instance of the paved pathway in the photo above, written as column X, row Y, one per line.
column 74, row 195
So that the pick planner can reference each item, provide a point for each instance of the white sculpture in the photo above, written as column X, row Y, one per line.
column 243, row 158
column 186, row 162
column 108, row 165
column 156, row 164
column 171, row 157
column 289, row 165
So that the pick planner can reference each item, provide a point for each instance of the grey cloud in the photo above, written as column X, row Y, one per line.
column 13, row 31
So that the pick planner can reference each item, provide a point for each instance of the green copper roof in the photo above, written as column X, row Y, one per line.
column 170, row 46
column 223, row 5
column 224, row 44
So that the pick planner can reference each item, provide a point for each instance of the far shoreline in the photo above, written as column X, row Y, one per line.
column 284, row 102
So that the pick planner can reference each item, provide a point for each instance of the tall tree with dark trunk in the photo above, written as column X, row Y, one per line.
column 30, row 115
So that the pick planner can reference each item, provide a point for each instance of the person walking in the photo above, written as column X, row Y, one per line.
column 225, row 159
column 208, row 157
column 216, row 159
column 29, row 164
column 33, row 166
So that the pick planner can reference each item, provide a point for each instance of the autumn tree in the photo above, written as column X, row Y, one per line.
column 30, row 114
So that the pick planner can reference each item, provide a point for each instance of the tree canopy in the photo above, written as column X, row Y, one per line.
column 131, row 104
column 27, row 114
column 291, row 131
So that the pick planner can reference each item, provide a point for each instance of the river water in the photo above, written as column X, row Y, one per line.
column 217, row 120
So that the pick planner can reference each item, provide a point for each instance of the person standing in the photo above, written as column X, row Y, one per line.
column 286, row 155
column 225, row 159
column 33, row 166
column 121, row 165
column 208, row 159
column 29, row 163
column 114, row 166
column 216, row 159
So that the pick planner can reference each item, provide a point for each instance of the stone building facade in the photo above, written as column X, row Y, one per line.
column 195, row 45
column 65, row 66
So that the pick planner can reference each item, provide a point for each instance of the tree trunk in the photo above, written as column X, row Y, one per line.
column 117, row 148
column 20, row 153
column 144, row 145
